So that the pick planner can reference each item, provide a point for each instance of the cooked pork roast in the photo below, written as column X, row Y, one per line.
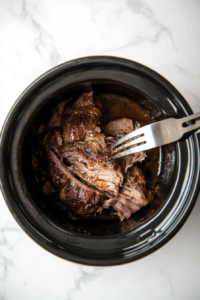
column 74, row 156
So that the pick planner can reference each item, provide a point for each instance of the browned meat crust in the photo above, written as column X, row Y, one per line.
column 79, row 198
column 81, row 117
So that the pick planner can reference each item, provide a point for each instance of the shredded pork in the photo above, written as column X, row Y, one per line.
column 75, row 153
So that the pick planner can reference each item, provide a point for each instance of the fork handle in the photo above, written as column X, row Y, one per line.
column 189, row 128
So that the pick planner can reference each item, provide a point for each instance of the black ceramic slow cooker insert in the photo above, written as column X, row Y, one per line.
column 101, row 243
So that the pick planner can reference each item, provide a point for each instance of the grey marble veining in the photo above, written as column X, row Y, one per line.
column 34, row 37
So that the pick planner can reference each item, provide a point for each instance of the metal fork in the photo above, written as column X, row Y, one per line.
column 155, row 135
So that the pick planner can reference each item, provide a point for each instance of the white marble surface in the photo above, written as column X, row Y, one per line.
column 37, row 35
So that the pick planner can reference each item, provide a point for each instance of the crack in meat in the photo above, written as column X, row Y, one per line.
column 91, row 161
column 78, row 198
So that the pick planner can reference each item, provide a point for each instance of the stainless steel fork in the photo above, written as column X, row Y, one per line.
column 155, row 135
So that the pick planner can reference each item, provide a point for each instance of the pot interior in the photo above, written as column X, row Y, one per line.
column 104, row 225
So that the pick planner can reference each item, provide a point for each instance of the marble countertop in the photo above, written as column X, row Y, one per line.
column 34, row 37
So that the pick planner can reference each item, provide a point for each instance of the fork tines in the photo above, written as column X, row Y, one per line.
column 137, row 144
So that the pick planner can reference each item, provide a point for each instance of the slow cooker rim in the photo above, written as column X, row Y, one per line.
column 4, row 129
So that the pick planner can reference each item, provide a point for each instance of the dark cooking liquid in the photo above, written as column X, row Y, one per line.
column 118, row 107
